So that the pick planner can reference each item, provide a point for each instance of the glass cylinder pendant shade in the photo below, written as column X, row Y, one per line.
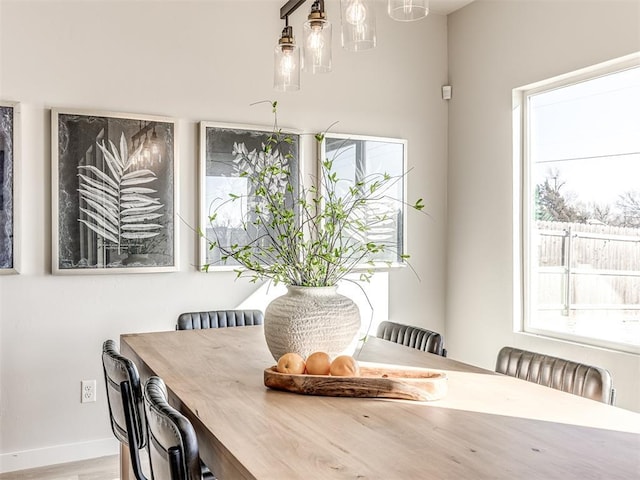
column 358, row 25
column 408, row 10
column 286, row 73
column 317, row 46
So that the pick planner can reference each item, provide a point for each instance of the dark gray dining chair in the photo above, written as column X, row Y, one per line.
column 572, row 377
column 124, row 398
column 414, row 337
column 219, row 319
column 173, row 445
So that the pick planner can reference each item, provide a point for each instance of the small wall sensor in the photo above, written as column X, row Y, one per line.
column 446, row 92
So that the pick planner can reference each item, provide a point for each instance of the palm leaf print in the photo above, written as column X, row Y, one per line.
column 117, row 201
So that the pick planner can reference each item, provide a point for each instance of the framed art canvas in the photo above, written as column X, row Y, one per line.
column 9, row 146
column 227, row 200
column 363, row 160
column 113, row 193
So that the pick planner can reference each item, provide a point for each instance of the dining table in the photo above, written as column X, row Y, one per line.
column 487, row 425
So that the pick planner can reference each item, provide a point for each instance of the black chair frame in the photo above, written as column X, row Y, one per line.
column 413, row 337
column 572, row 377
column 175, row 462
column 219, row 319
column 134, row 433
column 125, row 388
column 181, row 459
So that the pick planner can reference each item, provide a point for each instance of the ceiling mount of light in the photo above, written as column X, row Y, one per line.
column 408, row 10
column 358, row 33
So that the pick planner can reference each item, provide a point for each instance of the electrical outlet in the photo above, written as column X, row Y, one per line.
column 88, row 391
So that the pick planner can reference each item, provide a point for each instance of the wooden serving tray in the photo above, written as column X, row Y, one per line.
column 375, row 380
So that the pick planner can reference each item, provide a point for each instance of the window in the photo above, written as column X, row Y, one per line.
column 579, row 139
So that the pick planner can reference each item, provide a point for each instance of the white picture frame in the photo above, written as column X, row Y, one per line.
column 354, row 157
column 114, row 192
column 219, row 175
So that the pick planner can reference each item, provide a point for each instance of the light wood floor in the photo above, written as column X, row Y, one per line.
column 104, row 468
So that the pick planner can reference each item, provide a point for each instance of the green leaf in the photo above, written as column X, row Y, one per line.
column 318, row 237
column 116, row 206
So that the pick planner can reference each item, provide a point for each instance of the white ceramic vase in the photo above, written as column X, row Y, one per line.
column 311, row 319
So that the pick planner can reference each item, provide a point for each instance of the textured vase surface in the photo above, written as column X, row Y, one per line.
column 311, row 319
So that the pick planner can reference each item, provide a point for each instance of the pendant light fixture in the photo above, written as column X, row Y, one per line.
column 408, row 10
column 358, row 33
column 358, row 25
column 317, row 40
column 286, row 75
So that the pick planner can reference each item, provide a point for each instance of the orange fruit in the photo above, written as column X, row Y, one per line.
column 318, row 363
column 345, row 366
column 291, row 363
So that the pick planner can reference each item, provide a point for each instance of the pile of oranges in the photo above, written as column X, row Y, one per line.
column 318, row 363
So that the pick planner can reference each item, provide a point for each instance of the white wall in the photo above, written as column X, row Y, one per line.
column 197, row 60
column 495, row 46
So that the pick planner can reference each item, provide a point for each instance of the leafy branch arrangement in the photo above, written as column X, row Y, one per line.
column 118, row 205
column 316, row 239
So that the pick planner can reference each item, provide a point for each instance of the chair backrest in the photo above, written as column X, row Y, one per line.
column 219, row 319
column 572, row 377
column 414, row 337
column 172, row 444
column 124, row 397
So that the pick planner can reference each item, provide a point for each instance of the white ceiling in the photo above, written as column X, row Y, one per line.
column 445, row 7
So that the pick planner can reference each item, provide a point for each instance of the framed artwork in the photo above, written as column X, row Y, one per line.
column 113, row 193
column 363, row 159
column 226, row 151
column 9, row 146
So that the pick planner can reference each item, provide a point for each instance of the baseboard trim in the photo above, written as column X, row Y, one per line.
column 40, row 457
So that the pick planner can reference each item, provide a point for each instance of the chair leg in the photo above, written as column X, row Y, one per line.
column 175, row 461
column 125, row 391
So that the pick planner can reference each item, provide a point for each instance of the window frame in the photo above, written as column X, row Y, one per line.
column 524, row 265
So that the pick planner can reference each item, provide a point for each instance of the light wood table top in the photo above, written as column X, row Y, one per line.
column 488, row 426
